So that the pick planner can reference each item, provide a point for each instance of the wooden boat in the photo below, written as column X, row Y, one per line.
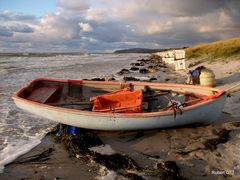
column 162, row 105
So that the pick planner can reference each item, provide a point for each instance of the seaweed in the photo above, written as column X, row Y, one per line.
column 132, row 176
column 165, row 170
column 223, row 137
column 78, row 146
column 116, row 162
column 236, row 124
column 41, row 157
column 170, row 170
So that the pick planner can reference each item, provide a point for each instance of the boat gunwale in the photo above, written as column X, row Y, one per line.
column 16, row 96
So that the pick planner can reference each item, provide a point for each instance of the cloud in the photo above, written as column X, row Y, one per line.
column 85, row 27
column 8, row 16
column 94, row 25
column 73, row 5
column 5, row 31
column 23, row 28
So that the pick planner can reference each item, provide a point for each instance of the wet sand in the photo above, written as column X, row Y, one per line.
column 200, row 152
column 48, row 160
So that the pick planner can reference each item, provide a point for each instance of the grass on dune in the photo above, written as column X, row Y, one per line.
column 224, row 49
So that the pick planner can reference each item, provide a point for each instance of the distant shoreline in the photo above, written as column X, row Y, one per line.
column 142, row 50
column 46, row 54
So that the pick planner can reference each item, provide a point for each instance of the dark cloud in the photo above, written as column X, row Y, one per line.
column 23, row 28
column 8, row 16
column 5, row 31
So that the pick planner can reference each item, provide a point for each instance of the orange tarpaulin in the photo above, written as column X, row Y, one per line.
column 124, row 100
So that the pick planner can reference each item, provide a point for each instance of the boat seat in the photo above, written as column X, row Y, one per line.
column 43, row 94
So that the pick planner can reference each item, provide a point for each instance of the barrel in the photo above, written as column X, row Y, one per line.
column 207, row 78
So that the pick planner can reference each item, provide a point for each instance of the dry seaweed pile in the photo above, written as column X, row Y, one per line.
column 222, row 137
column 78, row 146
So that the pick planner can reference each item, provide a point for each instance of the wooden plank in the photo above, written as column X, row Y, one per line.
column 42, row 94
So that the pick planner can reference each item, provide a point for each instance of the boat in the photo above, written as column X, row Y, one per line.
column 153, row 105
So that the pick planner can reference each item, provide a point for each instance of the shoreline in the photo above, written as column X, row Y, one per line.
column 184, row 145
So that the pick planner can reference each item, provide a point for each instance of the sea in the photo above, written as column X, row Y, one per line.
column 21, row 131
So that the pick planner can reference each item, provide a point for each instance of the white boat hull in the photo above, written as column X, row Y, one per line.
column 202, row 113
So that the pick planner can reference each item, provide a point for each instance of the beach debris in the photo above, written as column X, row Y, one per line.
column 104, row 149
column 132, row 176
column 40, row 157
column 59, row 130
column 144, row 71
column 130, row 79
column 138, row 64
column 79, row 145
column 106, row 78
column 223, row 137
column 98, row 79
column 169, row 169
column 152, row 79
column 109, row 78
column 123, row 71
column 236, row 124
column 73, row 130
column 143, row 60
column 116, row 162
column 88, row 146
column 134, row 68
column 164, row 170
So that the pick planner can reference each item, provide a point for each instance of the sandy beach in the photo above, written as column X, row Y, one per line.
column 193, row 152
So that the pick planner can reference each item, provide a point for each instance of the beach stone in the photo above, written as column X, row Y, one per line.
column 137, row 64
column 109, row 78
column 153, row 79
column 98, row 79
column 144, row 71
column 134, row 68
column 130, row 79
column 123, row 71
column 144, row 61
column 152, row 69
column 162, row 66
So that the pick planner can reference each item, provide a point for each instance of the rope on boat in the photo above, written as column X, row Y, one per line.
column 176, row 107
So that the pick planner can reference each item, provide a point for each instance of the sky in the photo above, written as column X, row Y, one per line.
column 108, row 25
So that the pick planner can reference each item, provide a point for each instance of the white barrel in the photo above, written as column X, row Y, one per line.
column 207, row 78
